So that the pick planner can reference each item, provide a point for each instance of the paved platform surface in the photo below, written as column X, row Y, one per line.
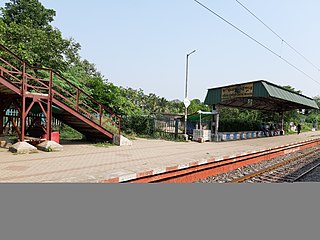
column 91, row 164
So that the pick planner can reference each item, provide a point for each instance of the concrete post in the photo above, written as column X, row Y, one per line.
column 282, row 123
column 217, row 125
column 176, row 128
column 212, row 127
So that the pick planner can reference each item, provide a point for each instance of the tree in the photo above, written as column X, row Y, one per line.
column 25, row 28
column 312, row 116
column 29, row 13
column 196, row 105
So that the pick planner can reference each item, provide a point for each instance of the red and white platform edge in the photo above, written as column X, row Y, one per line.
column 193, row 171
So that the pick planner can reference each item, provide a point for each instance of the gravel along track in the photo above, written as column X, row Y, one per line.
column 286, row 173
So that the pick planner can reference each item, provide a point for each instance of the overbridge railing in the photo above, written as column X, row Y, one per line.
column 48, row 83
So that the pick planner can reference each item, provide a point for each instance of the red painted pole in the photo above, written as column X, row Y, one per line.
column 49, row 109
column 23, row 107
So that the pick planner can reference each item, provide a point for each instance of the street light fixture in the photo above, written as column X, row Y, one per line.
column 186, row 100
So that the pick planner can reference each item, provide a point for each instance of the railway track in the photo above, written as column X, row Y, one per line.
column 290, row 170
column 212, row 170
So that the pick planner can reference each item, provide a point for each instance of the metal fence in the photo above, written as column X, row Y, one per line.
column 174, row 126
column 12, row 118
column 169, row 126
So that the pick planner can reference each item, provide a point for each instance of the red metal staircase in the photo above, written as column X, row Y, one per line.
column 24, row 87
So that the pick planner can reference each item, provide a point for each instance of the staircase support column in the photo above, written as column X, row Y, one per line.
column 49, row 109
column 23, row 104
column 23, row 118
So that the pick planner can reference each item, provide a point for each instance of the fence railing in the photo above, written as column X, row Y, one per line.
column 12, row 118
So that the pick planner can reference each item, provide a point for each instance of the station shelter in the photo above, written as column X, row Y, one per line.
column 256, row 95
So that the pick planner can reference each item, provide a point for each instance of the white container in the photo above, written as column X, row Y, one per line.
column 198, row 133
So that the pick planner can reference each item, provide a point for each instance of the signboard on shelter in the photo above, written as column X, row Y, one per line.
column 243, row 90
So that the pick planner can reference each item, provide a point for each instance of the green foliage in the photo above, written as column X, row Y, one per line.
column 139, row 124
column 228, row 113
column 25, row 29
column 305, row 127
column 104, row 144
column 238, row 125
column 164, row 136
column 68, row 133
column 196, row 105
column 27, row 12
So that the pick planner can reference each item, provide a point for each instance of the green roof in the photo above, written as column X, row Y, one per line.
column 259, row 95
column 196, row 117
column 36, row 109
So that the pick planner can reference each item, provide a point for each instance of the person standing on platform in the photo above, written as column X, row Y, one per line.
column 263, row 129
column 299, row 128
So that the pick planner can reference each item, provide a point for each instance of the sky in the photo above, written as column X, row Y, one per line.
column 144, row 43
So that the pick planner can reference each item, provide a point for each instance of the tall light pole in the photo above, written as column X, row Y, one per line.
column 186, row 100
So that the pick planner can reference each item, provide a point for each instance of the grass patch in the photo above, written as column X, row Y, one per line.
column 103, row 144
column 131, row 136
column 164, row 136
column 68, row 133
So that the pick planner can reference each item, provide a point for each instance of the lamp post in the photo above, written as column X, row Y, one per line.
column 186, row 100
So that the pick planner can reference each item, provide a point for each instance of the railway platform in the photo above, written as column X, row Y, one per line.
column 86, row 163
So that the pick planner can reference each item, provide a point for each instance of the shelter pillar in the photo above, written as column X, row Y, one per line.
column 212, row 127
column 176, row 128
column 23, row 118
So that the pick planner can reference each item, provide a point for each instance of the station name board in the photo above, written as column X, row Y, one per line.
column 243, row 90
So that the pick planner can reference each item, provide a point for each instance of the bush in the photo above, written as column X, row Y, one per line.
column 305, row 127
column 238, row 125
column 137, row 124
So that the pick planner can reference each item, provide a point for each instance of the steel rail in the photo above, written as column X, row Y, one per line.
column 286, row 162
column 306, row 173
